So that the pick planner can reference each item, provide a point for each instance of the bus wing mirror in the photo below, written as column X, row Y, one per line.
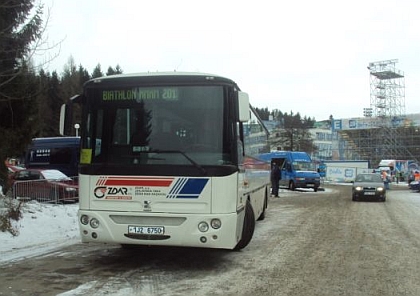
column 243, row 107
column 66, row 115
column 62, row 119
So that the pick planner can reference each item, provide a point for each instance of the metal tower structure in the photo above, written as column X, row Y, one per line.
column 387, row 102
column 387, row 89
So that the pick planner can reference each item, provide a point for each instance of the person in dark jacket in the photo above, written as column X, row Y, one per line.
column 275, row 178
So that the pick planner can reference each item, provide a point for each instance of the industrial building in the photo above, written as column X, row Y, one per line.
column 385, row 131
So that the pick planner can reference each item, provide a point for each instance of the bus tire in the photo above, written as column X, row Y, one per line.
column 248, row 227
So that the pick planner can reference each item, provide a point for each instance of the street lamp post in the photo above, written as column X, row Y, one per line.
column 76, row 127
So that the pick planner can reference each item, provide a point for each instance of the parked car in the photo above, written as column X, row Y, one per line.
column 368, row 186
column 14, row 168
column 44, row 185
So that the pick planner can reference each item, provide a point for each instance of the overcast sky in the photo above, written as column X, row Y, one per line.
column 302, row 56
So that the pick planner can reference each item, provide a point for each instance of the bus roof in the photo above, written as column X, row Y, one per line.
column 169, row 76
column 55, row 140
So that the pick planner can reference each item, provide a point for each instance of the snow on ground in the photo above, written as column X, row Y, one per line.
column 42, row 228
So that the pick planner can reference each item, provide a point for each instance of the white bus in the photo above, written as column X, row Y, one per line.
column 169, row 159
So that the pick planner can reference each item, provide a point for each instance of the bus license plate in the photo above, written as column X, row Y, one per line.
column 151, row 230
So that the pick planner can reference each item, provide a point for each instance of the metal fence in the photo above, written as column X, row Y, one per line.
column 49, row 191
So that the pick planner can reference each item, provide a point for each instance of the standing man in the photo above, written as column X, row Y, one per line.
column 386, row 179
column 275, row 178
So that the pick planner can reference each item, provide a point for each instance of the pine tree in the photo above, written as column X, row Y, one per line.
column 112, row 71
column 20, row 28
column 97, row 72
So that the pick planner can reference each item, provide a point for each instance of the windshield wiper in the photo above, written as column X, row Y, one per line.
column 203, row 170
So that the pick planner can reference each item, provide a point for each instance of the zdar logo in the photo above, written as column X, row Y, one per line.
column 100, row 192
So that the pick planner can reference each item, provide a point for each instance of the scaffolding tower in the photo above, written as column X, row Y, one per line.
column 387, row 100
column 387, row 89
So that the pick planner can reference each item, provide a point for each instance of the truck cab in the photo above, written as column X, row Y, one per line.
column 297, row 169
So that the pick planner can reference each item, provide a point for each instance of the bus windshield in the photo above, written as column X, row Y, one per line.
column 185, row 125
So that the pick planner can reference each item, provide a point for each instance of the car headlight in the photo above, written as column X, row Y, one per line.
column 358, row 188
column 380, row 189
column 71, row 189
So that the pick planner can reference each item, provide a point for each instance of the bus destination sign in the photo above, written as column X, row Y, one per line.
column 138, row 94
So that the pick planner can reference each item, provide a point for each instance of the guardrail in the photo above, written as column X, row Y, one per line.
column 49, row 191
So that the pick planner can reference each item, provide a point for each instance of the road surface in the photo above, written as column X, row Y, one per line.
column 311, row 243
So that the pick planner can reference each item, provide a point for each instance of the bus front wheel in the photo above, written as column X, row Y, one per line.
column 248, row 227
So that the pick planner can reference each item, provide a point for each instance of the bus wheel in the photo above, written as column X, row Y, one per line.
column 248, row 227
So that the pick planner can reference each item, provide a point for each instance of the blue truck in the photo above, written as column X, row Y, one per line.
column 297, row 169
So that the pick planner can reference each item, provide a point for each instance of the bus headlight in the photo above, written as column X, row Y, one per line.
column 94, row 223
column 203, row 226
column 84, row 219
column 216, row 223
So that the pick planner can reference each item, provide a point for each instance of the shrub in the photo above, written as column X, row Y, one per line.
column 10, row 210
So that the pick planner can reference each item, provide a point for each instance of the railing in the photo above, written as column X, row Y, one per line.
column 50, row 191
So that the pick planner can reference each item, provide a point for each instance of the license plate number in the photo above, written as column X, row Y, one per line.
column 369, row 193
column 310, row 185
column 151, row 230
